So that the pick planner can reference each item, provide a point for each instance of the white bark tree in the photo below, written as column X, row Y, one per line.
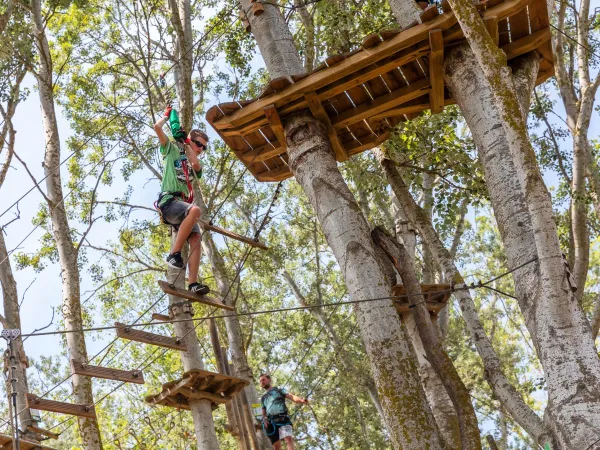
column 408, row 416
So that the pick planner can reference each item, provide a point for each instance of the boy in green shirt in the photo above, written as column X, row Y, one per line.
column 176, row 197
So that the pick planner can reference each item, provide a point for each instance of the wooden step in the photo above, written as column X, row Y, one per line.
column 72, row 409
column 232, row 235
column 160, row 317
column 198, row 385
column 126, row 332
column 128, row 376
column 6, row 443
column 43, row 432
column 436, row 297
column 184, row 293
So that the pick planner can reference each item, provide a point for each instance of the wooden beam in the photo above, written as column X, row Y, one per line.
column 203, row 395
column 491, row 24
column 263, row 153
column 128, row 376
column 232, row 235
column 160, row 317
column 72, row 409
column 319, row 112
column 278, row 174
column 42, row 431
column 275, row 121
column 126, row 332
column 436, row 71
column 383, row 103
column 526, row 43
column 184, row 293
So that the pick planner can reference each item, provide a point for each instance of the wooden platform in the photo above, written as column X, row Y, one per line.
column 6, row 443
column 72, row 409
column 362, row 95
column 48, row 434
column 197, row 385
column 436, row 297
column 184, row 293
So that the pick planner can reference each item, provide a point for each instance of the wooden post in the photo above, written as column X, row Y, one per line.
column 214, row 339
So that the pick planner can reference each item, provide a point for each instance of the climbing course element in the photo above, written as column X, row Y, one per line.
column 130, row 333
column 6, row 442
column 47, row 434
column 246, row 240
column 436, row 298
column 160, row 317
column 72, row 409
column 198, row 384
column 360, row 96
column 204, row 299
column 128, row 376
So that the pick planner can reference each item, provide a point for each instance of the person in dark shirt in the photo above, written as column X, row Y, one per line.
column 276, row 419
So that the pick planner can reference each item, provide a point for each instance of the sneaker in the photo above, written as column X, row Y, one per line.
column 175, row 260
column 200, row 289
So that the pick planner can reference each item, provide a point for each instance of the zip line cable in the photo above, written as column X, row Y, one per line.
column 106, row 124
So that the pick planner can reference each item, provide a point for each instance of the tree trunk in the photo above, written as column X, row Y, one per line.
column 68, row 255
column 436, row 355
column 12, row 320
column 502, row 388
column 556, row 323
column 232, row 322
column 410, row 422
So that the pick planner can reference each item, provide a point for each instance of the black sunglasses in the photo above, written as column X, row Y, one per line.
column 199, row 144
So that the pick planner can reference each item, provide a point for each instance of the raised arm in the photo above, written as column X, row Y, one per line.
column 192, row 157
column 158, row 127
column 295, row 398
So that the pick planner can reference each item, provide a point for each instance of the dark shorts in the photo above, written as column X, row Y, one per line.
column 275, row 424
column 174, row 211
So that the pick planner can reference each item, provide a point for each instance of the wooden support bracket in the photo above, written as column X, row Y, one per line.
column 184, row 293
column 436, row 71
column 263, row 153
column 126, row 332
column 276, row 125
column 491, row 24
column 128, row 376
column 43, row 432
column 72, row 409
column 238, row 237
column 526, row 44
column 160, row 317
column 317, row 110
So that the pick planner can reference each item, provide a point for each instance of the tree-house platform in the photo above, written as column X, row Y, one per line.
column 198, row 385
column 436, row 297
column 360, row 96
column 6, row 442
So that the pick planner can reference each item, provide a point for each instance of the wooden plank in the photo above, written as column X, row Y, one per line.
column 432, row 307
column 436, row 71
column 160, row 317
column 278, row 174
column 6, row 443
column 382, row 103
column 526, row 44
column 87, row 370
column 263, row 153
column 203, row 395
column 232, row 235
column 416, row 106
column 519, row 25
column 72, row 409
column 491, row 24
column 126, row 332
column 184, row 293
column 42, row 431
column 275, row 121
column 319, row 112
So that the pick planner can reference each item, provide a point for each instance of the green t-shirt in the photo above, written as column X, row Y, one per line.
column 274, row 401
column 174, row 175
